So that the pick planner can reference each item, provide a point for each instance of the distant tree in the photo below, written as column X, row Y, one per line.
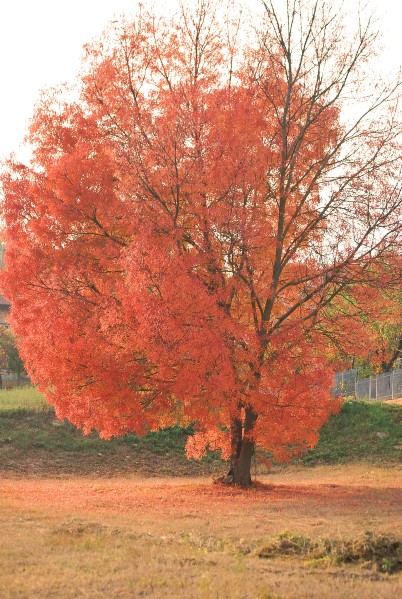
column 198, row 233
column 396, row 355
column 4, row 341
column 380, row 348
column 389, row 350
column 9, row 356
column 15, row 364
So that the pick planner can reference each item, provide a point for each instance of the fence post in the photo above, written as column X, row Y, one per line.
column 392, row 383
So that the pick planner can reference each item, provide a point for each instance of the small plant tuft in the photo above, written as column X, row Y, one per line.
column 383, row 551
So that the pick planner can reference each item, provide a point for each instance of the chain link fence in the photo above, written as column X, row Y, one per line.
column 345, row 383
column 387, row 385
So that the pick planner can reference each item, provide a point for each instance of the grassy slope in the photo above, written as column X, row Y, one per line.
column 32, row 440
column 362, row 431
column 27, row 421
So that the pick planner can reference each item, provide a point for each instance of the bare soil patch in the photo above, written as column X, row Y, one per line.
column 396, row 402
column 39, row 462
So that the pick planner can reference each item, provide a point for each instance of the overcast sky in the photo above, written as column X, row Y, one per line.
column 41, row 44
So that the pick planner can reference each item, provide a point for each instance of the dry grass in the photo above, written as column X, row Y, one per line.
column 133, row 537
column 396, row 402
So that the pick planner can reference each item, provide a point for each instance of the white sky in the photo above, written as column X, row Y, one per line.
column 41, row 45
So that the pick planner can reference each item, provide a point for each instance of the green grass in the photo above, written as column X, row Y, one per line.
column 22, row 398
column 26, row 421
column 28, row 429
column 33, row 441
column 361, row 431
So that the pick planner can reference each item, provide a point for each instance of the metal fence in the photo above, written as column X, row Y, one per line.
column 387, row 385
column 345, row 383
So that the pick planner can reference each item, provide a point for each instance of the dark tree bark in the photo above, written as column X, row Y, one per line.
column 242, row 469
column 236, row 431
column 388, row 366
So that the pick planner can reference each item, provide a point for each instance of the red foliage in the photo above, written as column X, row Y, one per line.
column 180, row 248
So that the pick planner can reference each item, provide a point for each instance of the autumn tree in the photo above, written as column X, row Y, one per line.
column 204, row 224
column 387, row 353
column 381, row 346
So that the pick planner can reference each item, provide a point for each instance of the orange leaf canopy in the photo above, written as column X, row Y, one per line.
column 142, row 245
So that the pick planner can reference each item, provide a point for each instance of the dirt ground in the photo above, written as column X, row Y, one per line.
column 41, row 463
column 164, row 537
column 396, row 402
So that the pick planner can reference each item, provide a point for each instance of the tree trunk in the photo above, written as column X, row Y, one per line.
column 242, row 469
column 388, row 366
column 236, row 441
